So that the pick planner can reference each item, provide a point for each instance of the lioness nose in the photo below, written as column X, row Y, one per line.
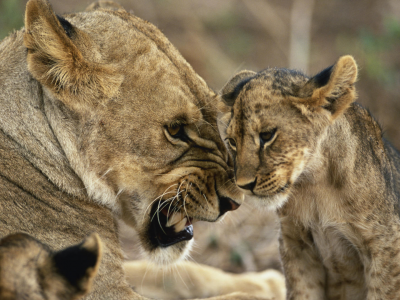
column 250, row 186
column 226, row 204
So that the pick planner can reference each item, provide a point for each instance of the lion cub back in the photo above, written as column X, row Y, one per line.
column 31, row 270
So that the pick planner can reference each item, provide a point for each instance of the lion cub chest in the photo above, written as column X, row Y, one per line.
column 343, row 268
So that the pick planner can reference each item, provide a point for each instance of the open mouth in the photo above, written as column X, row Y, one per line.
column 169, row 227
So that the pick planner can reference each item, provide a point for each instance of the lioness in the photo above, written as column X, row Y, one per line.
column 30, row 270
column 101, row 118
column 303, row 147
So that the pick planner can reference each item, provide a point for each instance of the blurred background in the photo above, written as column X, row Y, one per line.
column 221, row 37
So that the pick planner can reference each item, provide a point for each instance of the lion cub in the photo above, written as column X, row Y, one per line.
column 303, row 147
column 30, row 270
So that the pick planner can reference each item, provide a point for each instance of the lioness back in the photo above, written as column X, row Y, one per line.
column 102, row 119
column 303, row 147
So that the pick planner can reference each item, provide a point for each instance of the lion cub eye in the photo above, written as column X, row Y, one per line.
column 232, row 143
column 176, row 130
column 267, row 136
column 173, row 130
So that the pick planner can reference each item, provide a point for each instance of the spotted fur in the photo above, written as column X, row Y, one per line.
column 303, row 147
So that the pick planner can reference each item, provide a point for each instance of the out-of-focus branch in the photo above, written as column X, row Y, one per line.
column 267, row 16
column 300, row 34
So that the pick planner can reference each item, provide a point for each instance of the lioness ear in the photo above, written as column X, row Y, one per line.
column 55, row 60
column 79, row 264
column 333, row 88
column 232, row 88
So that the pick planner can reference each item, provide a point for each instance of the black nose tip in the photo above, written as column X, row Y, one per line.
column 226, row 204
column 250, row 186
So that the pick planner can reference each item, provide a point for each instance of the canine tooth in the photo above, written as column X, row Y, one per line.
column 181, row 225
column 175, row 218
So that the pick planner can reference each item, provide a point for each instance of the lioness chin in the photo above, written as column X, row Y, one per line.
column 101, row 118
column 302, row 147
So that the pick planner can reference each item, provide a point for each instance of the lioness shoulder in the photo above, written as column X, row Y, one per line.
column 303, row 147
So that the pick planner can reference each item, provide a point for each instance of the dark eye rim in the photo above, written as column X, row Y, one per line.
column 231, row 143
column 271, row 133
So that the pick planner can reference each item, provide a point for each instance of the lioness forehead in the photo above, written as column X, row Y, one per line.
column 149, row 62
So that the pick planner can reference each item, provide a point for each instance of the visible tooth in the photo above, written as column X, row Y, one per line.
column 175, row 218
column 181, row 225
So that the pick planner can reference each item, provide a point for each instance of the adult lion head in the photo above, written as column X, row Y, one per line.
column 119, row 118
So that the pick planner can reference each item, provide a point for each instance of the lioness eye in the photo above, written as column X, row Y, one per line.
column 232, row 143
column 267, row 136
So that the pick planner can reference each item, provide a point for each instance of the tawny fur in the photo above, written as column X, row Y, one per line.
column 188, row 280
column 87, row 106
column 31, row 270
column 325, row 168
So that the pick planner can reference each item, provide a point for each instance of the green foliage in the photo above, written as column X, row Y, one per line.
column 213, row 242
column 236, row 258
column 11, row 16
column 236, row 42
column 376, row 50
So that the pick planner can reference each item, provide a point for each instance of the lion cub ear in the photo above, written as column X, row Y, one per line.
column 333, row 88
column 233, row 87
column 55, row 58
column 79, row 264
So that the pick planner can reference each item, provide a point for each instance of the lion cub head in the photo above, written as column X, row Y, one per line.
column 136, row 123
column 276, row 121
column 30, row 270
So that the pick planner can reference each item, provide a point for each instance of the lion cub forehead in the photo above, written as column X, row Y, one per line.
column 269, row 88
column 274, row 82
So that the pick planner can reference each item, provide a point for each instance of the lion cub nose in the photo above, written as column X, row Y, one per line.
column 248, row 186
column 226, row 204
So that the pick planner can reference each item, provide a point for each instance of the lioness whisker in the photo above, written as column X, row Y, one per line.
column 164, row 203
column 184, row 206
column 144, row 276
column 179, row 274
column 157, row 198
column 205, row 197
column 144, row 214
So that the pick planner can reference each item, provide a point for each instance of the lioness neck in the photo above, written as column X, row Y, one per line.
column 29, row 130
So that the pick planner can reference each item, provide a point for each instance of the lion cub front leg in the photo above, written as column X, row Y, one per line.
column 381, row 258
column 304, row 272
